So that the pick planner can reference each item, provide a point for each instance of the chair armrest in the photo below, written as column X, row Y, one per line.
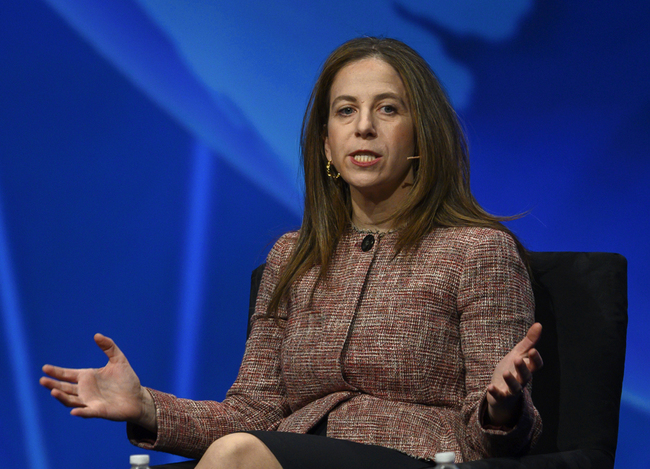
column 575, row 459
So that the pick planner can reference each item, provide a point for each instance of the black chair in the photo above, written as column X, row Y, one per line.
column 581, row 301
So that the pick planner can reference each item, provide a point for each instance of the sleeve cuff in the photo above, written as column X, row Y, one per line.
column 510, row 440
column 140, row 436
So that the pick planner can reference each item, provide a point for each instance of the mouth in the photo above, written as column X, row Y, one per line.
column 364, row 156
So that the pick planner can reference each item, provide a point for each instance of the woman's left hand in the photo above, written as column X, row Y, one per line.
column 510, row 377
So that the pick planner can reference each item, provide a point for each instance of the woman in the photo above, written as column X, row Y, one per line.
column 390, row 322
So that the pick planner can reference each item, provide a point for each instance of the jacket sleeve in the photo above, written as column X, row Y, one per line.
column 496, row 307
column 256, row 401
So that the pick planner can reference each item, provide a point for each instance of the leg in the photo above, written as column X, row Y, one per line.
column 298, row 451
column 238, row 451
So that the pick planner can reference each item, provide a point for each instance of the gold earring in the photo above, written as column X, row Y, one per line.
column 329, row 171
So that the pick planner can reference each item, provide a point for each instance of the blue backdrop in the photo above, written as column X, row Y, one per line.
column 148, row 160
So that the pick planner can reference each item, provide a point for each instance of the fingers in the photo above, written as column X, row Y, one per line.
column 62, row 374
column 501, row 395
column 535, row 361
column 79, row 407
column 65, row 393
column 515, row 381
column 496, row 394
column 51, row 384
column 513, row 387
column 68, row 400
column 85, row 412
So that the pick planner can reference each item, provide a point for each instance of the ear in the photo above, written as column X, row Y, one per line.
column 328, row 150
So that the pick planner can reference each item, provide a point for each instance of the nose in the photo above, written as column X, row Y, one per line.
column 366, row 125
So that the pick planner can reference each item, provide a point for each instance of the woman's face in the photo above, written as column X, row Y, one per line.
column 370, row 130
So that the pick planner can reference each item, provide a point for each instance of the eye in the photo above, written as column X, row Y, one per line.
column 345, row 111
column 388, row 109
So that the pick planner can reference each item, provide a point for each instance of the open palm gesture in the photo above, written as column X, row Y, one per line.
column 112, row 392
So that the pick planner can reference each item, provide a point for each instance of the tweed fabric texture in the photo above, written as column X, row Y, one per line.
column 399, row 350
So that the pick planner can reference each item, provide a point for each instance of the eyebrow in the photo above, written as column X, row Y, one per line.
column 379, row 97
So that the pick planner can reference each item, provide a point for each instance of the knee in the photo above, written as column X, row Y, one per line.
column 232, row 446
column 238, row 450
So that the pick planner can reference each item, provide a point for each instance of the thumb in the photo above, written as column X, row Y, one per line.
column 532, row 337
column 109, row 347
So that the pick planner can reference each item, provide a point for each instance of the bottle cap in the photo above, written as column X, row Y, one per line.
column 139, row 459
column 442, row 458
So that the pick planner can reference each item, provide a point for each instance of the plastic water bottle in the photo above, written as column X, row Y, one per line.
column 445, row 460
column 139, row 461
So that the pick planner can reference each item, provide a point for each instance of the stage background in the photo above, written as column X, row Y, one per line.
column 148, row 160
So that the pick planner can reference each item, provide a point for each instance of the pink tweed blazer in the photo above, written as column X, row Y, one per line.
column 397, row 350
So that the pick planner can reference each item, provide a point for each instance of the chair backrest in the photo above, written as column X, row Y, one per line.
column 256, row 278
column 581, row 301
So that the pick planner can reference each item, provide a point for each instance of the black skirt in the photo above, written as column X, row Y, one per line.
column 313, row 451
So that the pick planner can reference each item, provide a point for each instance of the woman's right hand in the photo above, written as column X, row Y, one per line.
column 112, row 392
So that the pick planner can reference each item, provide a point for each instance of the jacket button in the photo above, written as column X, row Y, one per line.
column 367, row 243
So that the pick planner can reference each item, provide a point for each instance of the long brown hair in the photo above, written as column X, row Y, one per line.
column 440, row 196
